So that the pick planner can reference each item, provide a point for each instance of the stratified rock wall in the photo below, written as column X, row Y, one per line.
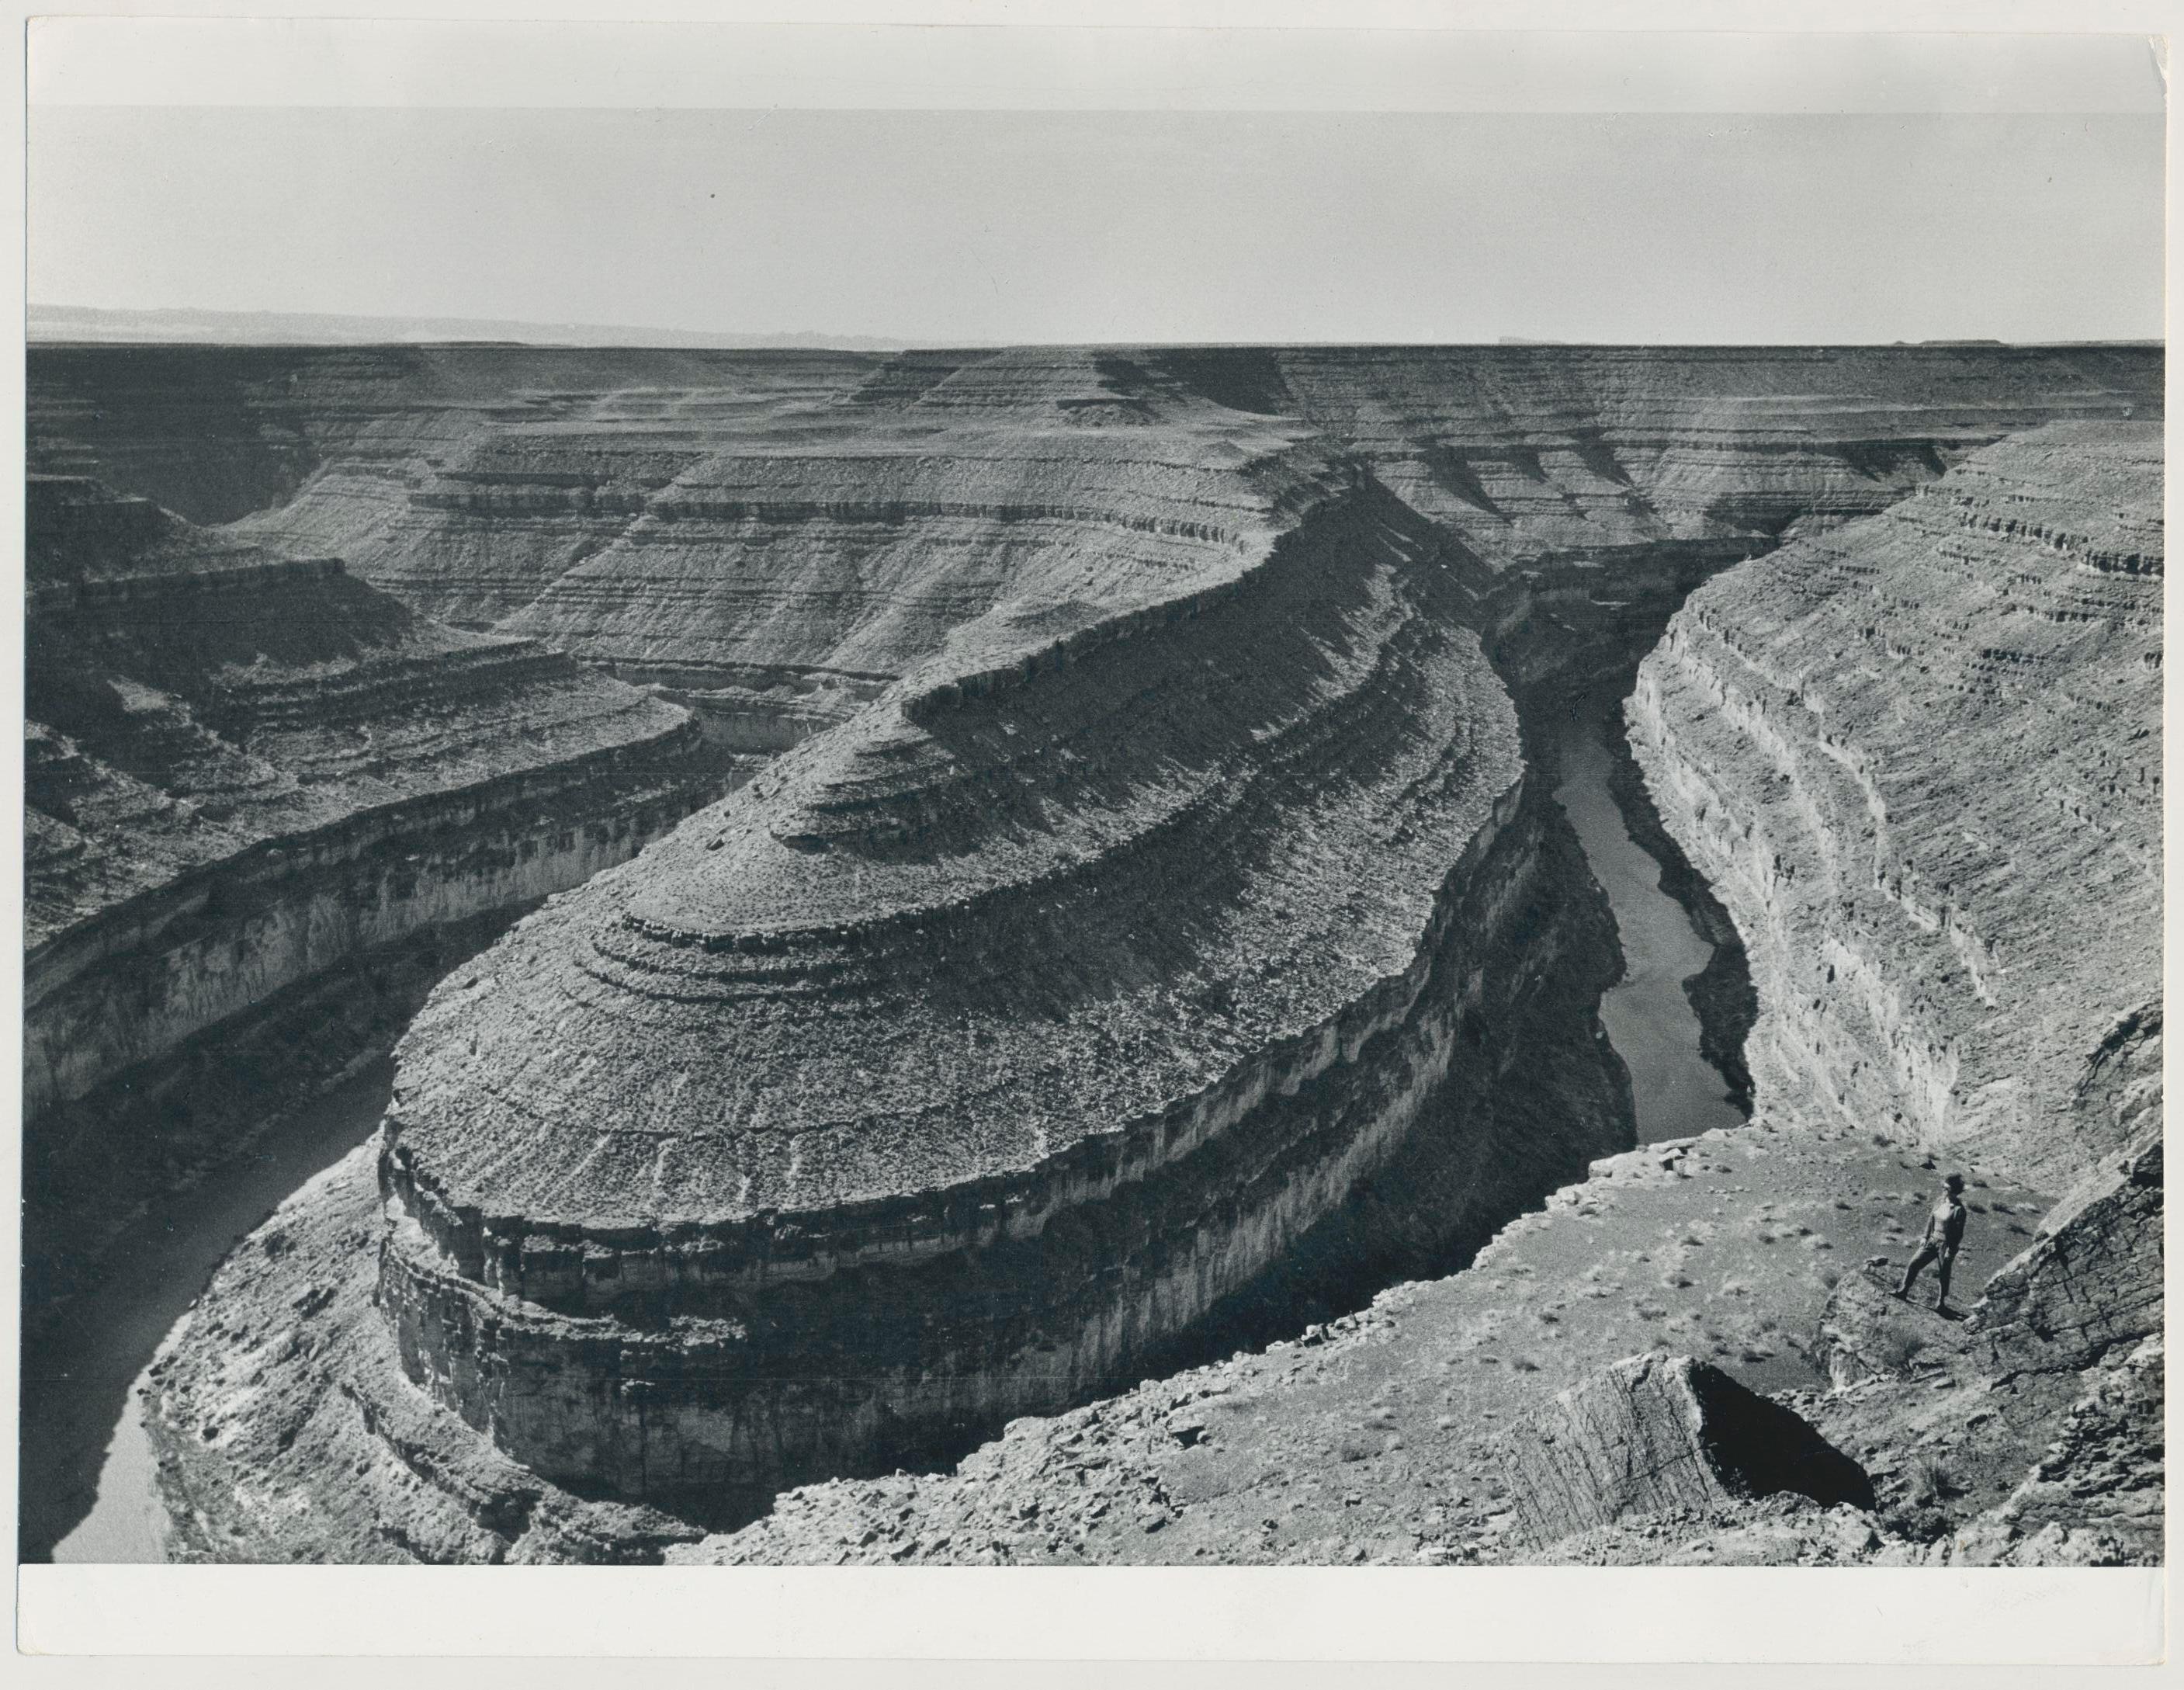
column 1920, row 761
column 977, row 1050
column 1532, row 454
column 242, row 767
column 461, row 477
column 1150, row 882
column 793, row 524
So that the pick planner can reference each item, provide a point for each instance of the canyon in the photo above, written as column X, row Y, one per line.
column 1061, row 975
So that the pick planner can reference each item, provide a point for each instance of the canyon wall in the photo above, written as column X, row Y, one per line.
column 1917, row 757
column 592, row 495
column 1920, row 761
column 980, row 1050
column 242, row 766
column 1150, row 904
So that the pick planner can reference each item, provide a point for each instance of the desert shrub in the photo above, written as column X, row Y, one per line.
column 1896, row 1345
column 1929, row 1482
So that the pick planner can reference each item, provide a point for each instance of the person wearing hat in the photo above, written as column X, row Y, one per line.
column 1945, row 1231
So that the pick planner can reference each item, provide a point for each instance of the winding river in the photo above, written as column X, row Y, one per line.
column 1650, row 1021
column 87, row 1461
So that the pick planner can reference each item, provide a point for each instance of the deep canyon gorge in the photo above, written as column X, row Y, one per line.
column 1014, row 956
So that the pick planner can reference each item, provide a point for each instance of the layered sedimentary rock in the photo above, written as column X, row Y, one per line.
column 1665, row 1435
column 242, row 767
column 2091, row 1284
column 1920, row 761
column 1743, row 1238
column 462, row 477
column 981, row 1048
column 1531, row 453
column 752, row 521
column 1156, row 909
column 2096, row 1496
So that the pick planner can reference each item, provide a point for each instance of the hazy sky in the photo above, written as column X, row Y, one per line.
column 941, row 225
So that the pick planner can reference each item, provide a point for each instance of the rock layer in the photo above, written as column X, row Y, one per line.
column 1664, row 1435
column 607, row 1244
column 2091, row 1284
column 243, row 767
column 1876, row 746
column 976, row 1052
column 1676, row 1237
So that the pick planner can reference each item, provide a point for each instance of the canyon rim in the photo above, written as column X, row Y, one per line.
column 1057, row 955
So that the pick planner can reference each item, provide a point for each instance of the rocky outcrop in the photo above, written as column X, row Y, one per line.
column 1664, row 1435
column 293, row 1392
column 1868, row 1332
column 2091, row 1283
column 2095, row 1498
column 240, row 768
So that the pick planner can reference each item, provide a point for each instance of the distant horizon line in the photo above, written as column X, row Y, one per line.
column 79, row 326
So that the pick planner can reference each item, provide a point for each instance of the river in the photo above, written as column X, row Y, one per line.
column 85, row 1464
column 1649, row 1019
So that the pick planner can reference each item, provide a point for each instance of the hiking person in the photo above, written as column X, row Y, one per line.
column 1945, row 1231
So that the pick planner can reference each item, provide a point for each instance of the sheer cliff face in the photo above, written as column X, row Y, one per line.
column 240, row 766
column 1920, row 760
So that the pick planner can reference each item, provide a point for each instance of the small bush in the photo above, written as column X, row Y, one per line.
column 1897, row 1345
column 1930, row 1482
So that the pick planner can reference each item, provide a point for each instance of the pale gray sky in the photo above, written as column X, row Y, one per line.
column 1801, row 224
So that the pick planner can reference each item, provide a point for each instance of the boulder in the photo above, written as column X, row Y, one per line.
column 2090, row 1283
column 1868, row 1332
column 1663, row 1435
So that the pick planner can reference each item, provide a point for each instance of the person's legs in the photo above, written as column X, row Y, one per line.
column 1949, row 1260
column 1927, row 1252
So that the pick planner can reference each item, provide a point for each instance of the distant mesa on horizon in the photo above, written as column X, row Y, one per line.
column 312, row 328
